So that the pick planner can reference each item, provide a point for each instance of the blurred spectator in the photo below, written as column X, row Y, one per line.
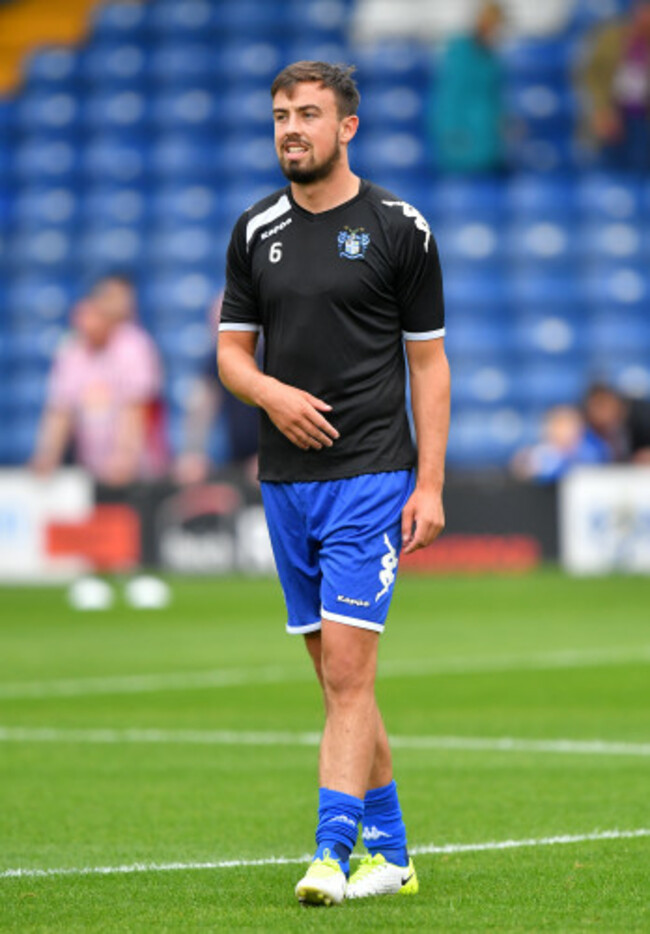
column 466, row 108
column 614, row 79
column 105, row 393
column 566, row 442
column 207, row 401
column 622, row 424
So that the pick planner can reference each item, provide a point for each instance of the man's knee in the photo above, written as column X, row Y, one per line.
column 348, row 661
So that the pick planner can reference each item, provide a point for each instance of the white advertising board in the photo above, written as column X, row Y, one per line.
column 605, row 520
column 28, row 504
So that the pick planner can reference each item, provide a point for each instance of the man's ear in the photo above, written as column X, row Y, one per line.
column 349, row 126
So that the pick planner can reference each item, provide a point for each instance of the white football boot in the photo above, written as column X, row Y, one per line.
column 376, row 876
column 324, row 883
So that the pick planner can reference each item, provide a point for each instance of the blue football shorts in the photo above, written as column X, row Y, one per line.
column 336, row 545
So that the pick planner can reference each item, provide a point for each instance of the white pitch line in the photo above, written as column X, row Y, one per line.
column 425, row 850
column 280, row 674
column 506, row 744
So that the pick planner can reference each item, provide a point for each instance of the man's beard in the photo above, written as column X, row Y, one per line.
column 315, row 173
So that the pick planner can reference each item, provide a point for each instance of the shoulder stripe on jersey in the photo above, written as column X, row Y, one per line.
column 266, row 217
column 232, row 326
column 423, row 335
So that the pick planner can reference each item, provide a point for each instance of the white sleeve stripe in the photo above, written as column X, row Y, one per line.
column 281, row 206
column 231, row 326
column 423, row 335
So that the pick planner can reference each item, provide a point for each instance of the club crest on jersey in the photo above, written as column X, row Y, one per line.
column 353, row 243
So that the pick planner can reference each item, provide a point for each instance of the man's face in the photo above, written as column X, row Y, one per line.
column 309, row 132
column 117, row 298
column 92, row 323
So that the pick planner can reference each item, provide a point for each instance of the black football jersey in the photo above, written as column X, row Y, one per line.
column 335, row 294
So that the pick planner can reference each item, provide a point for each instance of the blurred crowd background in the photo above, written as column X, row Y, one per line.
column 132, row 134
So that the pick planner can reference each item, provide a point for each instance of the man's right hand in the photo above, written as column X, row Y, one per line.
column 297, row 414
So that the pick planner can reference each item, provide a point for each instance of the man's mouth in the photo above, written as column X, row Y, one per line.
column 295, row 150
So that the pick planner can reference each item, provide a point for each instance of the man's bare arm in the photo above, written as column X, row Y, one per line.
column 423, row 516
column 54, row 433
column 296, row 413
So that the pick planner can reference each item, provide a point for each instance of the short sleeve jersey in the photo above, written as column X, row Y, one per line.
column 335, row 294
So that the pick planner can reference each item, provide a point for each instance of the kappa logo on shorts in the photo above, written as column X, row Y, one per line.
column 388, row 565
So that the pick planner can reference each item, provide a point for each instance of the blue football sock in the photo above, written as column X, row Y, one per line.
column 383, row 828
column 339, row 816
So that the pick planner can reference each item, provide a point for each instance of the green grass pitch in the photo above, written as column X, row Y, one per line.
column 171, row 739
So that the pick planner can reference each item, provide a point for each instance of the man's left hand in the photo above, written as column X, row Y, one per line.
column 423, row 519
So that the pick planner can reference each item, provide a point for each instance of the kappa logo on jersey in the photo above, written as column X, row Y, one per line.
column 276, row 229
column 353, row 243
column 388, row 564
column 420, row 222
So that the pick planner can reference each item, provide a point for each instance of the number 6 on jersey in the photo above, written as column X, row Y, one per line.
column 275, row 252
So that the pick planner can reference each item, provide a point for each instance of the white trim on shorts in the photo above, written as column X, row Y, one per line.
column 352, row 621
column 304, row 629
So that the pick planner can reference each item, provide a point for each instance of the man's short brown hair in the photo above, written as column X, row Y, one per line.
column 337, row 77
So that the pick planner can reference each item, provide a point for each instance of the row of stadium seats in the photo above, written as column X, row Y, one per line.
column 140, row 149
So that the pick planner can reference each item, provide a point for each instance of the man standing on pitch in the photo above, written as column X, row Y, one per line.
column 339, row 275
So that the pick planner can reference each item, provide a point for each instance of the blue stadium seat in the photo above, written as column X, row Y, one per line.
column 37, row 206
column 543, row 384
column 42, row 160
column 459, row 198
column 532, row 286
column 114, row 66
column 52, row 70
column 49, row 112
column 183, row 157
column 121, row 22
column 188, row 343
column 473, row 290
column 182, row 63
column 249, row 106
column 314, row 18
column 193, row 108
column 45, row 250
column 122, row 160
column 121, row 110
column 477, row 440
column 470, row 242
column 537, row 59
column 543, row 244
column 540, row 197
column 613, row 241
column 398, row 107
column 114, row 205
column 189, row 246
column 240, row 195
column 103, row 246
column 181, row 295
column 252, row 155
column 391, row 152
column 603, row 196
column 192, row 18
column 186, row 204
column 19, row 437
column 616, row 289
column 548, row 334
column 394, row 61
column 241, row 61
column 626, row 333
column 253, row 19
column 481, row 383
